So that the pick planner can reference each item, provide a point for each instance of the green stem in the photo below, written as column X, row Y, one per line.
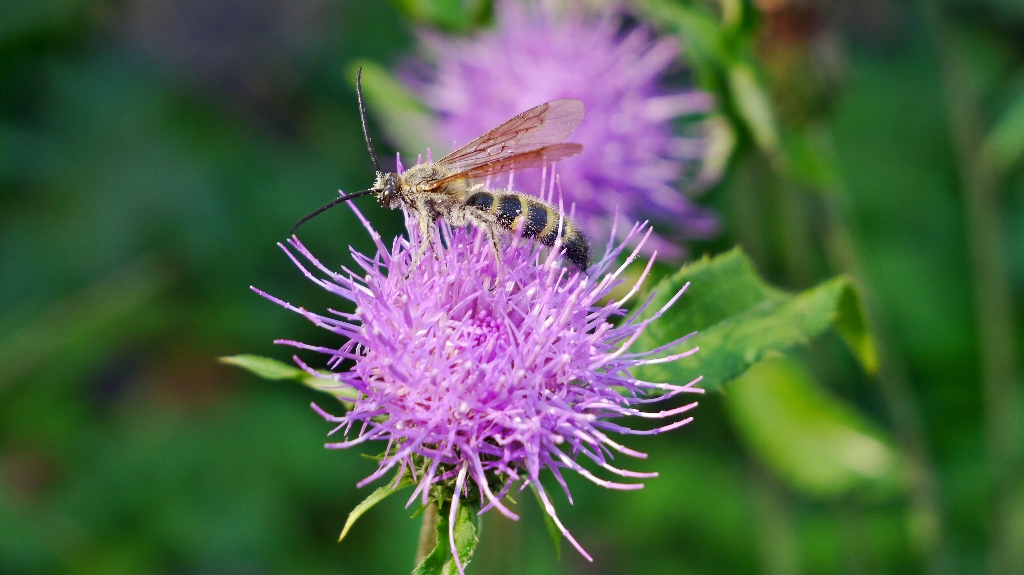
column 926, row 523
column 747, row 205
column 796, row 234
column 428, row 532
column 437, row 536
column 993, row 302
column 777, row 537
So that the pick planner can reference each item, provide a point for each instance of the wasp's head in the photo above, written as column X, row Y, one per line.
column 386, row 188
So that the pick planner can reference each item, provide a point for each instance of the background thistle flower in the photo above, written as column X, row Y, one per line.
column 487, row 372
column 631, row 160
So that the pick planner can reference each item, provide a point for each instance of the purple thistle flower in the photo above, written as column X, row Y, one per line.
column 487, row 370
column 631, row 158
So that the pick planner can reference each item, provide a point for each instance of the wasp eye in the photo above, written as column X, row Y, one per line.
column 390, row 192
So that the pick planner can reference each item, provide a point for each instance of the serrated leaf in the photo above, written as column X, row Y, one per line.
column 467, row 534
column 817, row 443
column 850, row 322
column 553, row 532
column 275, row 370
column 739, row 320
column 407, row 123
column 378, row 495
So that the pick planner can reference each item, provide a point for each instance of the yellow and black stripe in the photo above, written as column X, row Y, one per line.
column 542, row 222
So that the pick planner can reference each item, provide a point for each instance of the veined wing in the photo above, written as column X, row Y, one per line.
column 532, row 159
column 544, row 125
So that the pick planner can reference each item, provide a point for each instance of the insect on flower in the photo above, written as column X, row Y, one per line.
column 482, row 375
column 448, row 188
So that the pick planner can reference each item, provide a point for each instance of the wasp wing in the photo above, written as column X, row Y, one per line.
column 544, row 125
column 533, row 159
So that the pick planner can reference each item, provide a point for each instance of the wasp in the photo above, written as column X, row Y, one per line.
column 450, row 188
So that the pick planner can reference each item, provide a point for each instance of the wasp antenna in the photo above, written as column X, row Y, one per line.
column 362, row 116
column 326, row 207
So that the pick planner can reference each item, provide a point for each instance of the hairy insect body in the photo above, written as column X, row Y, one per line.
column 460, row 203
column 450, row 188
column 540, row 221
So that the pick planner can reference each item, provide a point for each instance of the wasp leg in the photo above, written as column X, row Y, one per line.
column 427, row 211
column 486, row 223
column 495, row 242
column 425, row 238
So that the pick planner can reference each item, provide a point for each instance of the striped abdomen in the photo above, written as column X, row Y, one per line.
column 542, row 222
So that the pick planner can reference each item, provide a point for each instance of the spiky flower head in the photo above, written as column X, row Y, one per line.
column 487, row 371
column 632, row 161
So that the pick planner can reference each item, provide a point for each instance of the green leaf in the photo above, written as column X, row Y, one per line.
column 275, row 370
column 407, row 123
column 739, row 320
column 818, row 444
column 556, row 535
column 265, row 367
column 1004, row 146
column 453, row 15
column 850, row 322
column 722, row 140
column 376, row 497
column 755, row 106
column 467, row 535
column 699, row 30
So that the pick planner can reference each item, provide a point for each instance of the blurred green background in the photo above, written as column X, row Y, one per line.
column 152, row 152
